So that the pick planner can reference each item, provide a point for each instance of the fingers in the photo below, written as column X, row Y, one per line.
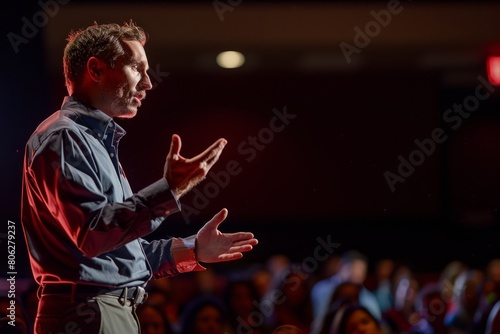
column 217, row 219
column 241, row 242
column 214, row 246
column 242, row 238
column 249, row 240
column 235, row 252
column 175, row 146
column 230, row 257
column 237, row 239
column 211, row 154
column 240, row 249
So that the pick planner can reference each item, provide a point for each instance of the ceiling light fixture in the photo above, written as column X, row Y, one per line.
column 230, row 59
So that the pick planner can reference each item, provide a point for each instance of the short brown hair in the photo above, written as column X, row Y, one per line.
column 103, row 41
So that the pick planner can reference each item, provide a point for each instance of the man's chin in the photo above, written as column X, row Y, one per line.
column 130, row 113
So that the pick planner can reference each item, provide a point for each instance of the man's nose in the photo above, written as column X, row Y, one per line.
column 145, row 82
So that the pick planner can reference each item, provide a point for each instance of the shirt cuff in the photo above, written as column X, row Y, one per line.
column 159, row 196
column 184, row 256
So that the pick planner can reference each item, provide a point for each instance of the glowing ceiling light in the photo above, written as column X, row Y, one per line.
column 230, row 59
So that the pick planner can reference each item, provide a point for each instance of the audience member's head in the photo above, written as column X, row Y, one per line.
column 353, row 266
column 287, row 329
column 204, row 315
column 157, row 296
column 277, row 263
column 294, row 307
column 330, row 267
column 384, row 269
column 153, row 320
column 261, row 278
column 355, row 319
column 207, row 281
column 347, row 291
column 405, row 290
column 450, row 273
column 467, row 290
column 242, row 301
column 241, row 297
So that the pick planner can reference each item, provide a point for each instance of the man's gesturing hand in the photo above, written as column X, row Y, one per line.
column 183, row 174
column 215, row 246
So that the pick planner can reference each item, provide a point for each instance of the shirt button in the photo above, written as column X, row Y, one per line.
column 110, row 124
column 99, row 135
column 111, row 154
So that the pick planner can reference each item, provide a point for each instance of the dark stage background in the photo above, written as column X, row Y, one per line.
column 322, row 173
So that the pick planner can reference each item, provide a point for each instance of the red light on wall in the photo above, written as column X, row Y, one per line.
column 493, row 69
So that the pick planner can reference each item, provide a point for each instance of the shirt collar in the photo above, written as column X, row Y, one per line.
column 101, row 124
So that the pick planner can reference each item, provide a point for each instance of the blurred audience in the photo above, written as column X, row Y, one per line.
column 159, row 294
column 431, row 311
column 277, row 297
column 493, row 323
column 153, row 319
column 465, row 301
column 287, row 329
column 293, row 307
column 261, row 278
column 404, row 286
column 346, row 293
column 490, row 293
column 448, row 277
column 353, row 267
column 356, row 319
column 242, row 300
column 205, row 315
column 383, row 290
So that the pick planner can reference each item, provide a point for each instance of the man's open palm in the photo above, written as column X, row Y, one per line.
column 214, row 246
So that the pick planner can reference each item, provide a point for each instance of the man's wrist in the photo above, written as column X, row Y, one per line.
column 184, row 254
column 160, row 196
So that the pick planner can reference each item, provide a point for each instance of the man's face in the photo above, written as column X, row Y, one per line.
column 124, row 86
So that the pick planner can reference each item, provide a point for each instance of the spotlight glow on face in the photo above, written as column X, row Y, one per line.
column 230, row 59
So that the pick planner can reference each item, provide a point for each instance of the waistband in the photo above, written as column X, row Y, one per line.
column 136, row 294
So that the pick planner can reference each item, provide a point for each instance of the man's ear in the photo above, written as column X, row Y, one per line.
column 95, row 68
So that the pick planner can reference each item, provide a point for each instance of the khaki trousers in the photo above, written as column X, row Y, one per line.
column 103, row 314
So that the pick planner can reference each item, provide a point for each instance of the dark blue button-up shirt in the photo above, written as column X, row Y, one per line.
column 82, row 222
